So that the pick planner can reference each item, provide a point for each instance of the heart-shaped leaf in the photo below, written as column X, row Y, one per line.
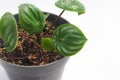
column 32, row 19
column 68, row 39
column 71, row 5
column 8, row 31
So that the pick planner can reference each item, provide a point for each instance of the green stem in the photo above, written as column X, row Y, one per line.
column 38, row 38
column 57, row 18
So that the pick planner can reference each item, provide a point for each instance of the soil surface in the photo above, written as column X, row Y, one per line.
column 29, row 51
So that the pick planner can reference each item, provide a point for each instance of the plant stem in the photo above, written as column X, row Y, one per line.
column 57, row 18
column 38, row 38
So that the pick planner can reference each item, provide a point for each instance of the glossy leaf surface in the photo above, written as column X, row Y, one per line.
column 71, row 5
column 47, row 44
column 32, row 20
column 68, row 39
column 8, row 31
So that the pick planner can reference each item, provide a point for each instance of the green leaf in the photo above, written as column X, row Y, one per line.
column 71, row 5
column 47, row 44
column 8, row 31
column 46, row 15
column 32, row 19
column 68, row 39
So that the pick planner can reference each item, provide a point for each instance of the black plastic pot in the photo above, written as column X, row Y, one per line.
column 51, row 71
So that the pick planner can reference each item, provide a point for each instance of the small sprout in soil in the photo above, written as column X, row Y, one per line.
column 47, row 44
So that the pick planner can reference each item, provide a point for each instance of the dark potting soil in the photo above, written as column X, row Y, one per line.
column 29, row 51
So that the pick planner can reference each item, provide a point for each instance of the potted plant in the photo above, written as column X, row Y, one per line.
column 36, row 45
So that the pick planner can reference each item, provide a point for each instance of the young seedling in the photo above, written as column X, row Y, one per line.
column 67, row 39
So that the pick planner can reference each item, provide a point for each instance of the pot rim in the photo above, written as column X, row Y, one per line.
column 36, row 66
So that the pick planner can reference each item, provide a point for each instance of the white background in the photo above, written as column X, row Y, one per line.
column 100, row 57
